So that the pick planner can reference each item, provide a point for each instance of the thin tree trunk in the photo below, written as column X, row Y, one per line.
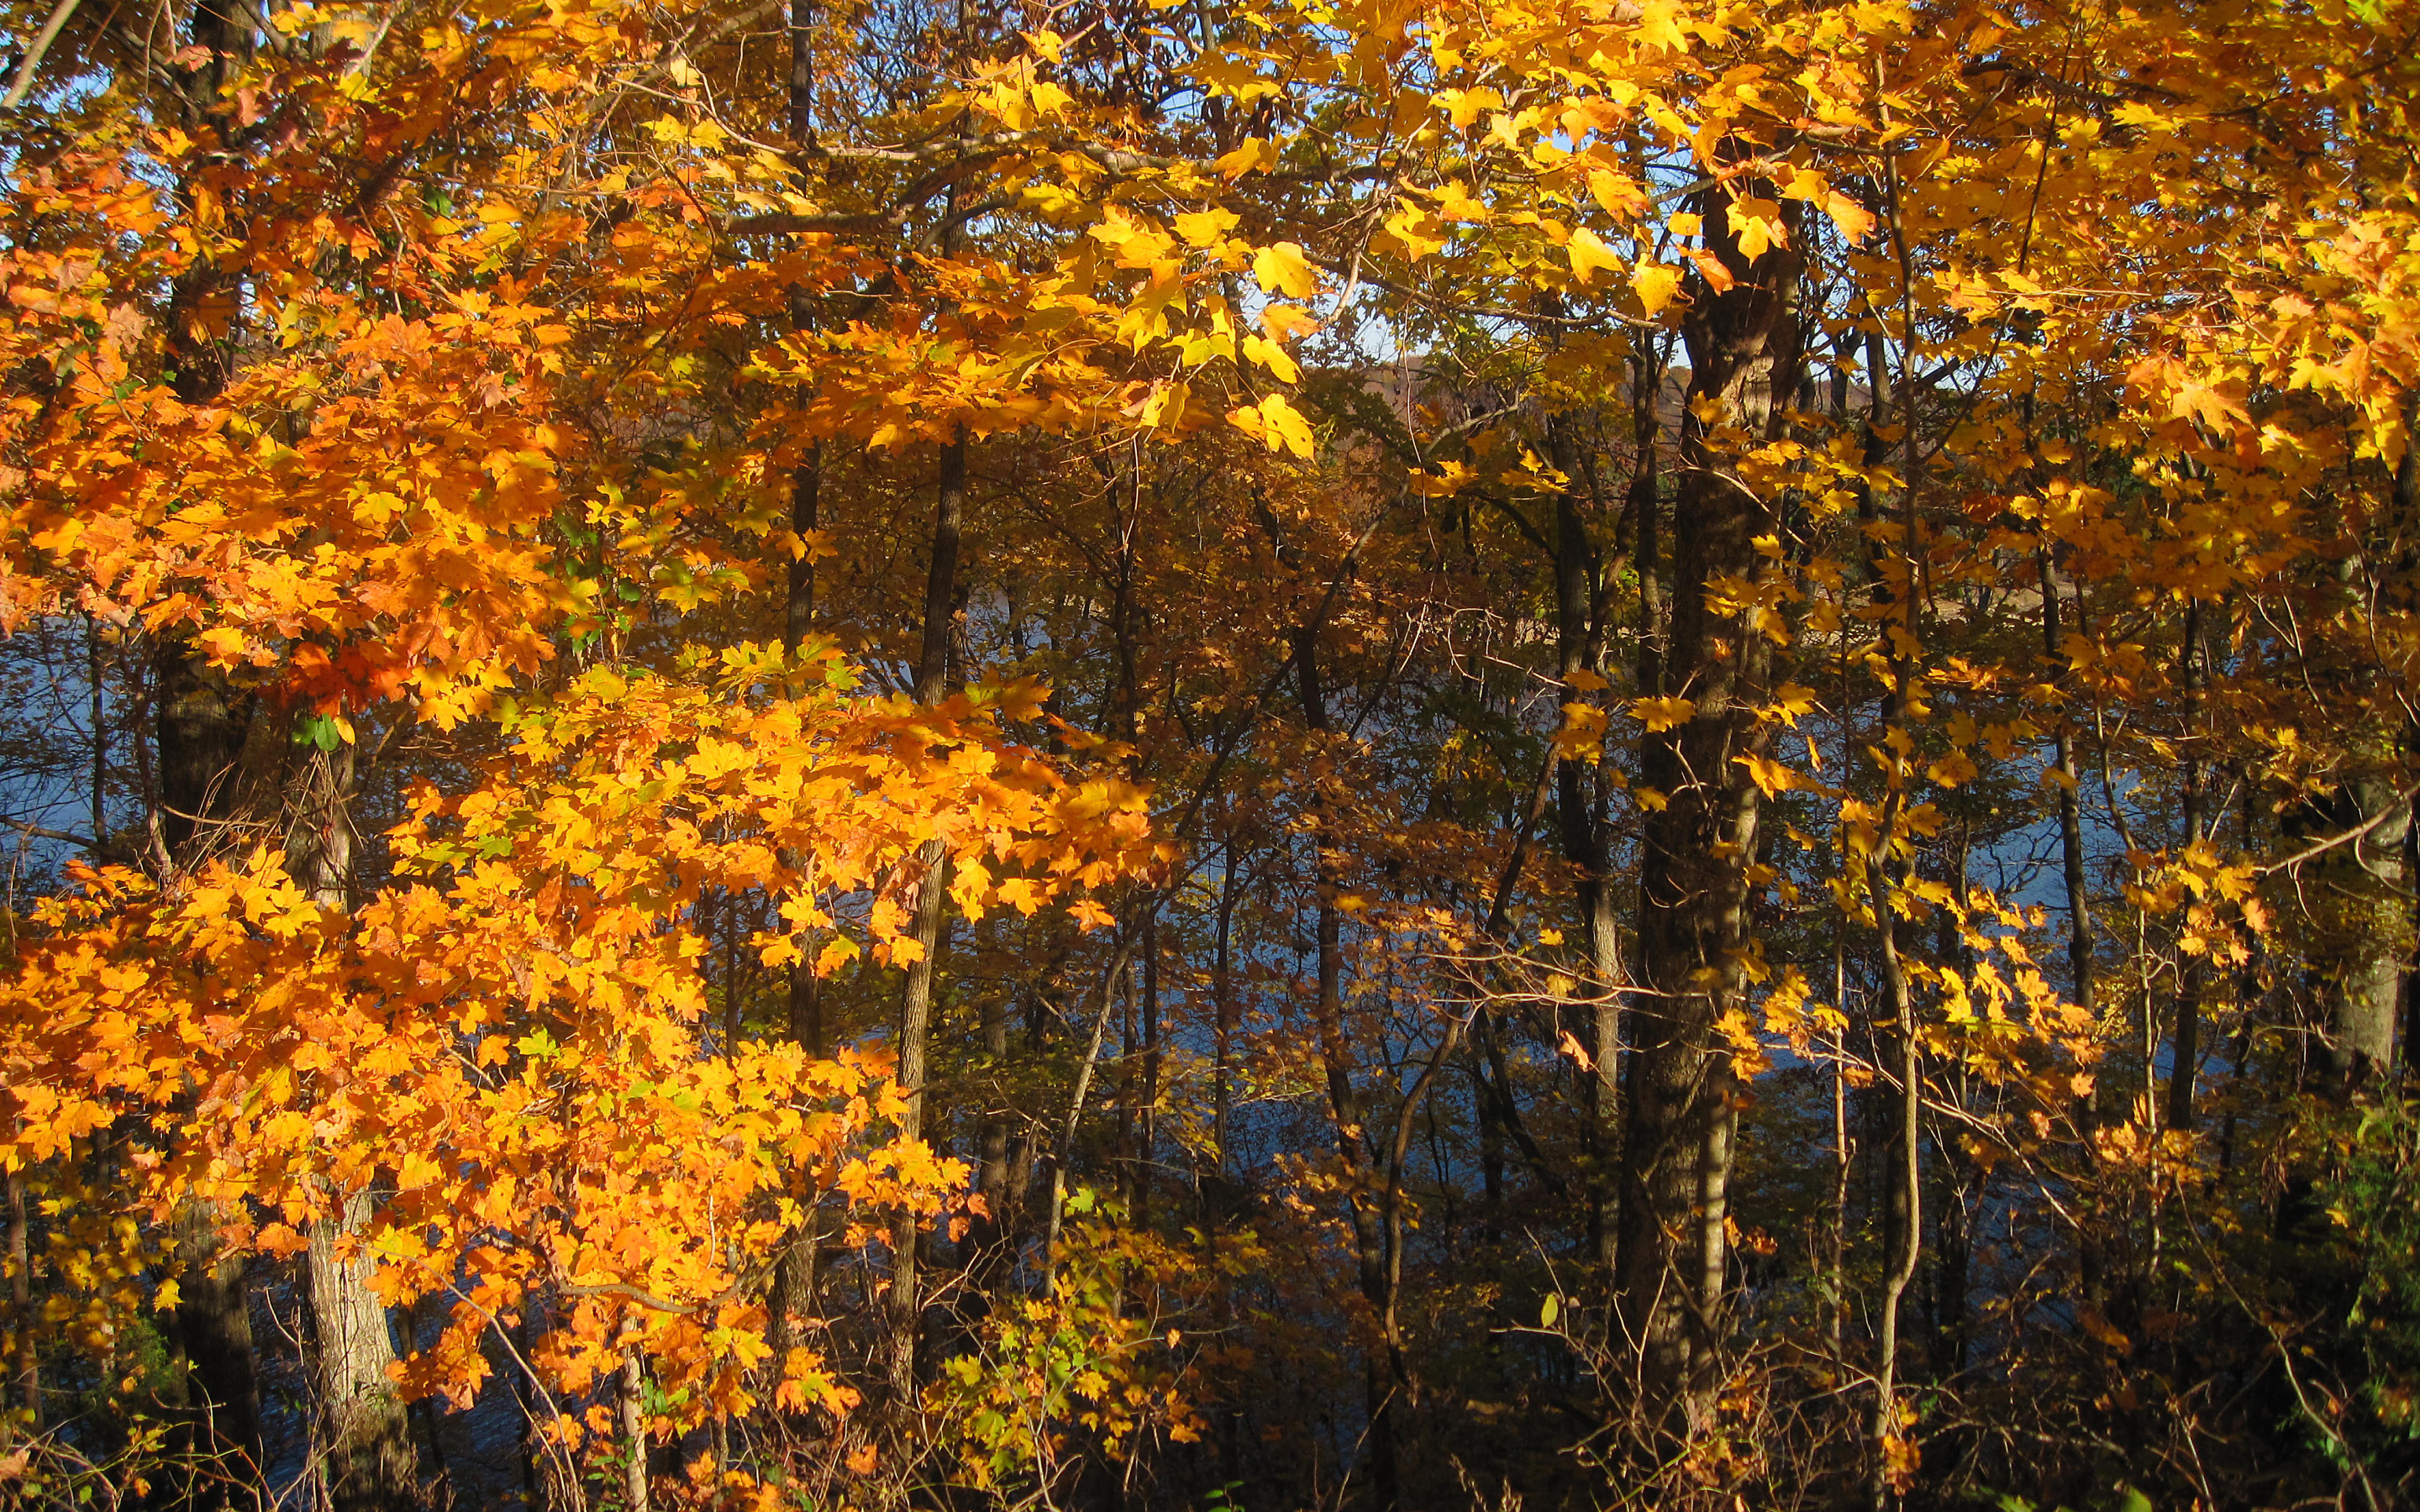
column 916, row 1000
column 1587, row 847
column 631, row 1410
column 794, row 1267
column 1223, row 985
column 2184, row 1063
column 26, row 1371
column 1343, row 1098
column 1695, row 856
column 1903, row 1148
column 2092, row 1261
column 1147, row 1120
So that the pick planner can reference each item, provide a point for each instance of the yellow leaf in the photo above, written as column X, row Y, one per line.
column 1202, row 227
column 1464, row 106
column 1256, row 153
column 1664, row 713
column 1450, row 478
column 1657, row 283
column 1618, row 192
column 1770, row 775
column 1416, row 231
column 1166, row 406
column 1757, row 222
column 1273, row 357
column 224, row 644
column 1659, row 27
column 1588, row 254
column 1284, row 322
column 1952, row 769
column 1581, row 736
column 1571, row 1047
column 1285, row 425
column 1282, row 270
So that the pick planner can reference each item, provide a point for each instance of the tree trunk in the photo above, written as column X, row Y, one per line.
column 2185, row 1061
column 631, row 1408
column 366, row 1432
column 201, row 734
column 2360, row 929
column 1587, row 846
column 214, row 1334
column 916, row 999
column 1694, row 873
column 2091, row 1257
column 26, row 1368
column 366, row 1428
column 1343, row 1098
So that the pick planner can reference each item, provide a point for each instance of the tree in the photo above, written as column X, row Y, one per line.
column 1382, row 756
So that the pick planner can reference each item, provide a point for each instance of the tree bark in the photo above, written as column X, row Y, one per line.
column 631, row 1408
column 26, row 1371
column 2184, row 1060
column 916, row 999
column 1587, row 845
column 2358, row 927
column 214, row 1334
column 201, row 733
column 1742, row 345
column 366, row 1428
column 1337, row 1058
column 366, row 1432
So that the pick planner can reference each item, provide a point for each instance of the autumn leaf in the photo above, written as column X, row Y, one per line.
column 1662, row 713
column 1657, row 283
column 1589, row 256
column 1280, row 269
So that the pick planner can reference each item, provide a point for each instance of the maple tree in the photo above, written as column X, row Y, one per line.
column 1638, row 753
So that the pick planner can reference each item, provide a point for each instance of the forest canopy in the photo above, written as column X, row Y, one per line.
column 1352, row 754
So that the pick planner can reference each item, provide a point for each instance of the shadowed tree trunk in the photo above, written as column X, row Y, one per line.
column 916, row 1000
column 1743, row 347
column 793, row 1269
column 202, row 730
column 1344, row 1108
column 1586, row 836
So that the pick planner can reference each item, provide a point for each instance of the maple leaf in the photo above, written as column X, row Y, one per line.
column 1657, row 284
column 1280, row 269
column 1202, row 228
column 1757, row 225
column 1589, row 256
column 1662, row 713
column 1659, row 26
column 1580, row 736
column 1257, row 153
column 1769, row 775
column 1275, row 424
